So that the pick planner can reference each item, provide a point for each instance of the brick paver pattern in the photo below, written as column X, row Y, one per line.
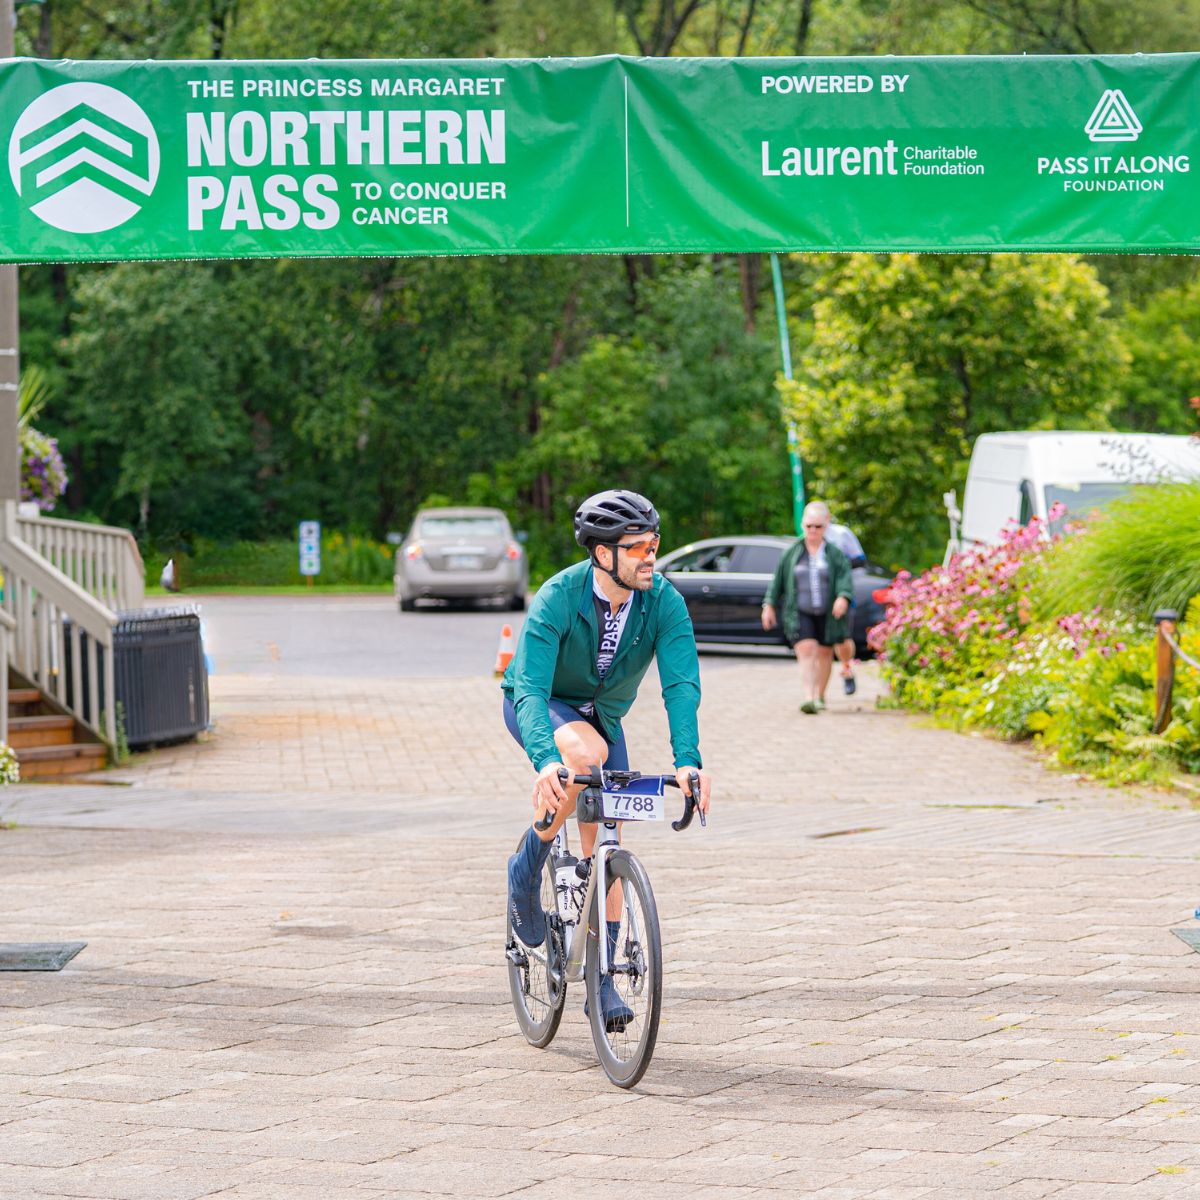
column 900, row 963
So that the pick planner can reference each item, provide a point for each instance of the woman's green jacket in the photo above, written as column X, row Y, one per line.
column 782, row 592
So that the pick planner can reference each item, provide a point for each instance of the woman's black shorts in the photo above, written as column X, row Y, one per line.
column 811, row 627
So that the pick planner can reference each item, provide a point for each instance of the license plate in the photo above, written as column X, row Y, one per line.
column 642, row 800
column 464, row 562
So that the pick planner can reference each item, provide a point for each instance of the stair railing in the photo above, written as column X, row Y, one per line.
column 7, row 628
column 102, row 559
column 63, row 637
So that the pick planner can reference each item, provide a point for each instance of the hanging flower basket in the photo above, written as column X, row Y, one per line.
column 43, row 473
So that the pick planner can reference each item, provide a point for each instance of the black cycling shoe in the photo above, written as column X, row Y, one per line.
column 849, row 685
column 525, row 890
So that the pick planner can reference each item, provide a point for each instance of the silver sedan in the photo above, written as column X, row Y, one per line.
column 461, row 554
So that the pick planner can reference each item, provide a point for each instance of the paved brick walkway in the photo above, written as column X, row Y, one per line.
column 900, row 963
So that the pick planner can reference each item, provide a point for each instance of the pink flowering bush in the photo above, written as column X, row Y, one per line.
column 956, row 624
column 971, row 643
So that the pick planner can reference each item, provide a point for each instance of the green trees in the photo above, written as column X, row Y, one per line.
column 678, row 409
column 1163, row 337
column 152, row 418
column 912, row 357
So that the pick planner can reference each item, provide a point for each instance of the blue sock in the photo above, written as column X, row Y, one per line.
column 614, row 932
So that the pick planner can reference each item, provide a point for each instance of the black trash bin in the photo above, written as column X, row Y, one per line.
column 160, row 677
column 161, row 680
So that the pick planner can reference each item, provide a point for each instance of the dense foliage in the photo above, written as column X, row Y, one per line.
column 1142, row 554
column 209, row 565
column 913, row 356
column 987, row 642
column 201, row 403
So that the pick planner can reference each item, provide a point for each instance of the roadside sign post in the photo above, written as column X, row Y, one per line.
column 310, row 549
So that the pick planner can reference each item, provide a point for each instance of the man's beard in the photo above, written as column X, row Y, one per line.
column 632, row 580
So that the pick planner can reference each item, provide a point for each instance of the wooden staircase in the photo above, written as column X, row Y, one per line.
column 49, row 743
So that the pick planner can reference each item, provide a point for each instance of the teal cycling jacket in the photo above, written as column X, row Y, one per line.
column 556, row 656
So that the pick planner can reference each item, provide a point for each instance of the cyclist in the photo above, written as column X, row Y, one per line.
column 589, row 638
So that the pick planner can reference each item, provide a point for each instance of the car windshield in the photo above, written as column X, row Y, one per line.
column 1080, row 498
column 456, row 527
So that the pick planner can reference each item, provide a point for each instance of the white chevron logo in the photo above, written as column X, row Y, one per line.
column 1113, row 119
column 84, row 157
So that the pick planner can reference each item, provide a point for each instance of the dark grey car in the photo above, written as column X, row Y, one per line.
column 723, row 581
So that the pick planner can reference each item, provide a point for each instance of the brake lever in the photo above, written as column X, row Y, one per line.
column 542, row 825
column 694, row 785
column 691, row 804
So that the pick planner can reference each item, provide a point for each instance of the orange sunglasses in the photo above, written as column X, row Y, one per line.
column 641, row 550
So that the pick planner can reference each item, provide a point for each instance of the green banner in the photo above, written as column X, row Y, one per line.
column 199, row 159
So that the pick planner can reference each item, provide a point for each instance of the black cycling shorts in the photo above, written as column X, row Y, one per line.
column 811, row 627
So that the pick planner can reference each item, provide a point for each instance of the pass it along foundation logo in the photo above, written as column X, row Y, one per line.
column 1113, row 119
column 83, row 157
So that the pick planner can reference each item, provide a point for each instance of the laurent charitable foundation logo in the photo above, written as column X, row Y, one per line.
column 83, row 157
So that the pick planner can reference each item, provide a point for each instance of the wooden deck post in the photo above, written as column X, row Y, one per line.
column 1164, row 666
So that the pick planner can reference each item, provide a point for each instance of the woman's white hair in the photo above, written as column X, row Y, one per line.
column 817, row 508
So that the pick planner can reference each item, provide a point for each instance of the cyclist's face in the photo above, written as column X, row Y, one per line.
column 635, row 561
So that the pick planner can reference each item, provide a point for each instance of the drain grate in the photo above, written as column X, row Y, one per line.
column 816, row 837
column 1189, row 937
column 37, row 956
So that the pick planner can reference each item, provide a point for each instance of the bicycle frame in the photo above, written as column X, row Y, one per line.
column 574, row 946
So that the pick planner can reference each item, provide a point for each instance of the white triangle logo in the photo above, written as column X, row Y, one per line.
column 1113, row 119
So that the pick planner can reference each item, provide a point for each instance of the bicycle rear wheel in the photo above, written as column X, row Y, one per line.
column 535, row 976
column 625, row 1048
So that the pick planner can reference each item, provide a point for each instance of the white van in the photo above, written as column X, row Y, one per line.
column 1016, row 476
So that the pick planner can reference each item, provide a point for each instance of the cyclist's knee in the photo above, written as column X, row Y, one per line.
column 580, row 746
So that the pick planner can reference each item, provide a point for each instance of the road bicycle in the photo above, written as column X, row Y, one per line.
column 574, row 895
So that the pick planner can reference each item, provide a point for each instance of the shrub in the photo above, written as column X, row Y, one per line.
column 955, row 624
column 1141, row 553
column 966, row 643
column 345, row 559
column 10, row 769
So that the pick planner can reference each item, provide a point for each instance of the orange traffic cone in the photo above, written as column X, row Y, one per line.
column 504, row 655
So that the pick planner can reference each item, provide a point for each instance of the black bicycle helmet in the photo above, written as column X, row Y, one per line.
column 606, row 517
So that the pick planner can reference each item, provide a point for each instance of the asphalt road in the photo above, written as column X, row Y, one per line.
column 363, row 636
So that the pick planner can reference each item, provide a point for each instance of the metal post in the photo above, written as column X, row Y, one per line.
column 10, row 373
column 785, row 353
column 1164, row 667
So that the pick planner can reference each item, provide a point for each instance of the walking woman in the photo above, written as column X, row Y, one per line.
column 810, row 595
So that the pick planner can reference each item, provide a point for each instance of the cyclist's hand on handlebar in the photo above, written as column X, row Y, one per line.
column 682, row 773
column 549, row 793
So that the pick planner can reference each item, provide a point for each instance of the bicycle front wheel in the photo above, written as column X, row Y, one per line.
column 535, row 975
column 625, row 1031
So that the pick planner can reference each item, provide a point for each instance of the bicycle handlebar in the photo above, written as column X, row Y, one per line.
column 691, row 803
column 595, row 779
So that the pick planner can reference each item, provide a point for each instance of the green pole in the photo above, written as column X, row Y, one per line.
column 785, row 353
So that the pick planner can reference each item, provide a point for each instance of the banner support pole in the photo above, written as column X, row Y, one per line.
column 10, row 369
column 785, row 354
